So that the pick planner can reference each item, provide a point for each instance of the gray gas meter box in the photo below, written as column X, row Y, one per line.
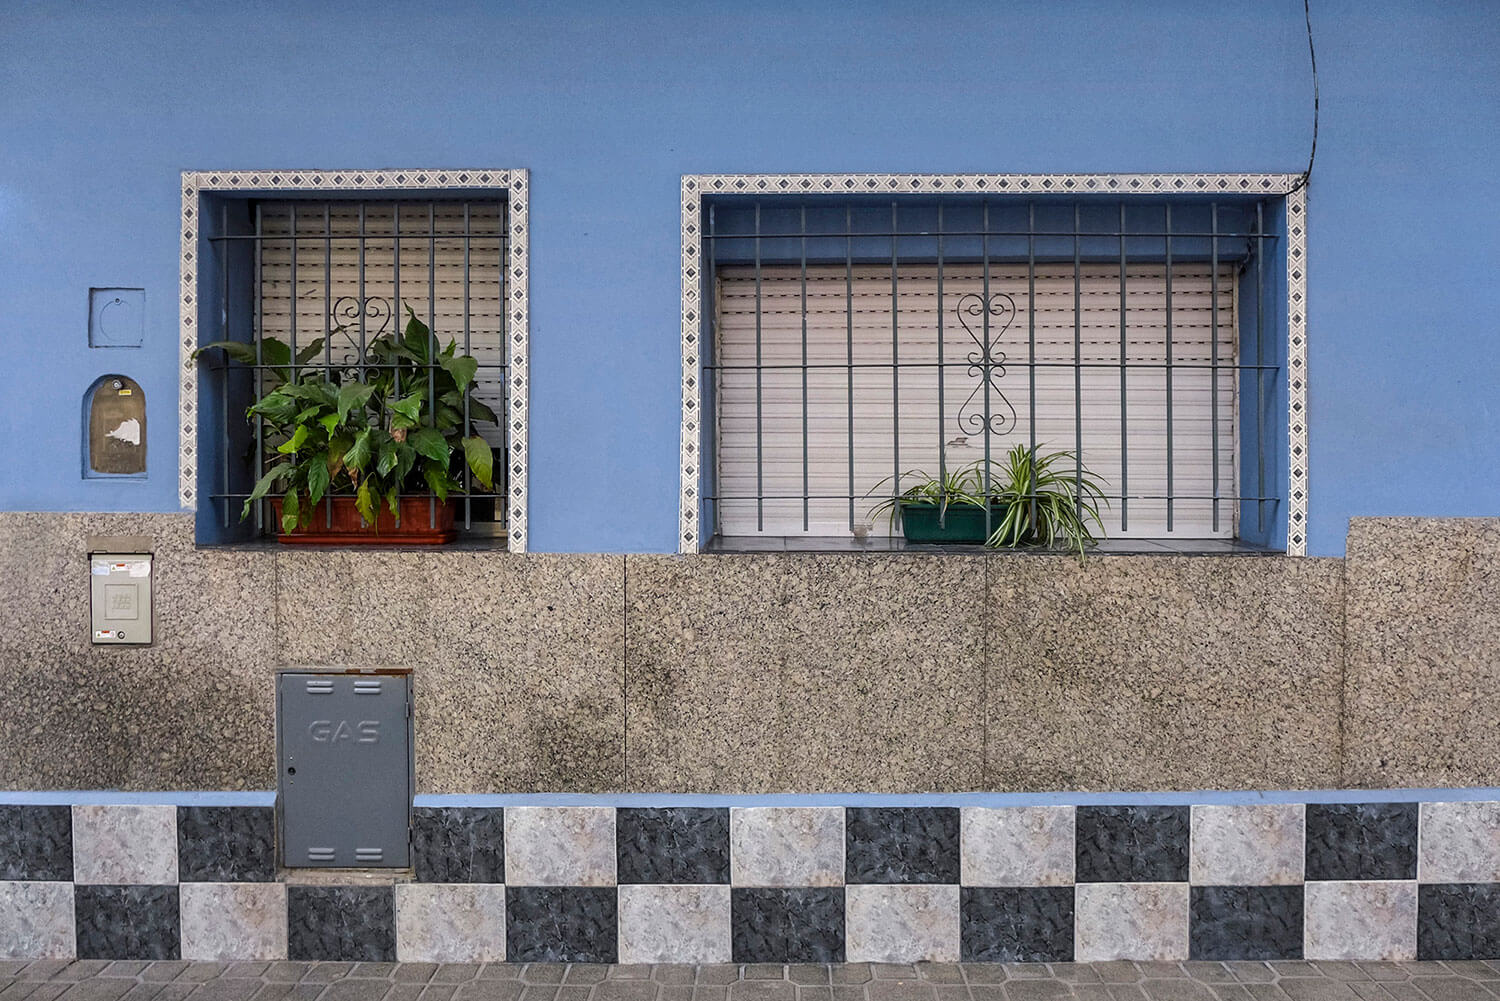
column 345, row 754
column 120, row 598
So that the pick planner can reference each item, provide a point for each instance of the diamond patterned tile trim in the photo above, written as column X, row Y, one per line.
column 515, row 184
column 696, row 186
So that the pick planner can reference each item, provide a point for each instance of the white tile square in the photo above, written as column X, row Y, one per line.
column 233, row 921
column 450, row 923
column 1253, row 844
column 123, row 844
column 786, row 846
column 685, row 923
column 1018, row 846
column 560, row 845
column 1145, row 921
column 887, row 923
column 36, row 920
column 1373, row 920
column 1459, row 843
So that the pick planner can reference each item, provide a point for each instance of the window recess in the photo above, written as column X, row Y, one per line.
column 852, row 343
column 348, row 271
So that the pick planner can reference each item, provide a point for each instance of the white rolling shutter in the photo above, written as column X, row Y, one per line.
column 830, row 304
column 328, row 288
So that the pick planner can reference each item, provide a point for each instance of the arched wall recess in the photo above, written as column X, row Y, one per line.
column 114, row 431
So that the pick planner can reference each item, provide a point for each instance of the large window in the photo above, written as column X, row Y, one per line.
column 849, row 344
column 331, row 276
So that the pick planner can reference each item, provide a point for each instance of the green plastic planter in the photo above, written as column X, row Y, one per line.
column 963, row 524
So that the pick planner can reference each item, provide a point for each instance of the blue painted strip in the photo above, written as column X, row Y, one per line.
column 983, row 799
column 65, row 797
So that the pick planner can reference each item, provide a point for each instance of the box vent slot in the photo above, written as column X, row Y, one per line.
column 367, row 688
column 319, row 687
column 320, row 854
column 369, row 854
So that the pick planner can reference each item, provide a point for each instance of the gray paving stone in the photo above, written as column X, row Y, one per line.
column 1453, row 989
column 279, row 990
column 1404, row 990
column 763, row 971
column 676, row 992
column 539, row 992
column 349, row 990
column 810, row 993
column 977, row 973
column 809, row 974
column 849, row 974
column 1075, row 973
column 1308, row 989
column 1209, row 973
column 404, row 992
column 445, row 992
column 1383, row 971
column 941, row 973
column 711, row 992
column 762, row 990
column 1037, row 990
column 544, row 973
column 326, row 973
column 455, row 973
column 910, row 989
column 1160, row 971
column 893, row 971
column 1026, row 971
column 673, row 974
column 628, row 971
column 413, row 973
column 1473, row 969
column 1118, row 971
column 1177, row 990
column 1251, row 972
column 717, row 973
column 626, row 990
column 224, row 989
column 381, row 971
column 1340, row 970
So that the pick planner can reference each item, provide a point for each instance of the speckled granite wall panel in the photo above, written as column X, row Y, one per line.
column 1163, row 673
column 1423, row 696
column 1374, row 919
column 519, row 661
column 85, row 717
column 458, row 844
column 674, row 924
column 1460, row 843
column 901, row 924
column 805, row 673
column 1253, row 844
column 36, row 920
column 1017, row 924
column 233, row 921
column 226, row 844
column 36, row 842
column 450, row 923
column 1245, row 922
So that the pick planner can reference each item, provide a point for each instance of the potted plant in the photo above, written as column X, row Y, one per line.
column 1033, row 498
column 372, row 440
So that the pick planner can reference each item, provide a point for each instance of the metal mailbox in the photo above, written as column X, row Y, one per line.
column 345, row 754
column 120, row 598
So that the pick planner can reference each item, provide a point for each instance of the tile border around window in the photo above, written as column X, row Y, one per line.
column 696, row 186
column 514, row 184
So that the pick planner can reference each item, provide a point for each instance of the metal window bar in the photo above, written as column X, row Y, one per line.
column 1191, row 465
column 364, row 239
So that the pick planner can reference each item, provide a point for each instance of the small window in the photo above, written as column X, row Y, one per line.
column 115, row 428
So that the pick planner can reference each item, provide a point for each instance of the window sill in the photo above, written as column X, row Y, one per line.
column 1109, row 547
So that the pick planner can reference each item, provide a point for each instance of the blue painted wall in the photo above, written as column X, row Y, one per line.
column 102, row 105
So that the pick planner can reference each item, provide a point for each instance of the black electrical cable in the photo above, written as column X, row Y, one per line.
column 1313, row 56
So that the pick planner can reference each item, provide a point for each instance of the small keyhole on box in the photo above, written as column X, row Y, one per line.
column 291, row 771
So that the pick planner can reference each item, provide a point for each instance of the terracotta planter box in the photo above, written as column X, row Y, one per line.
column 349, row 529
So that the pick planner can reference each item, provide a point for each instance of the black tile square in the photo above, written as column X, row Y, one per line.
column 787, row 925
column 1458, row 921
column 672, row 845
column 36, row 842
column 341, row 923
column 226, row 844
column 906, row 844
column 1016, row 924
column 1132, row 844
column 1361, row 841
column 1245, row 922
column 453, row 844
column 561, row 924
column 127, row 922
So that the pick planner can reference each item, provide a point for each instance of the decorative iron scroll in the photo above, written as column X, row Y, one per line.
column 987, row 364
column 347, row 311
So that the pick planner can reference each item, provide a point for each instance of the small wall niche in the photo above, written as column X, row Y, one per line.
column 117, row 317
column 114, row 430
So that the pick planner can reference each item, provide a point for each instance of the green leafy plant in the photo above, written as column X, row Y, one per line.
column 1036, row 498
column 389, row 422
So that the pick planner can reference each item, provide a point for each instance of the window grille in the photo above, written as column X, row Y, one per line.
column 856, row 342
column 348, row 271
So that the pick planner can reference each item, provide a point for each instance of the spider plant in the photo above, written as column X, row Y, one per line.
column 1044, row 498
column 1036, row 498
